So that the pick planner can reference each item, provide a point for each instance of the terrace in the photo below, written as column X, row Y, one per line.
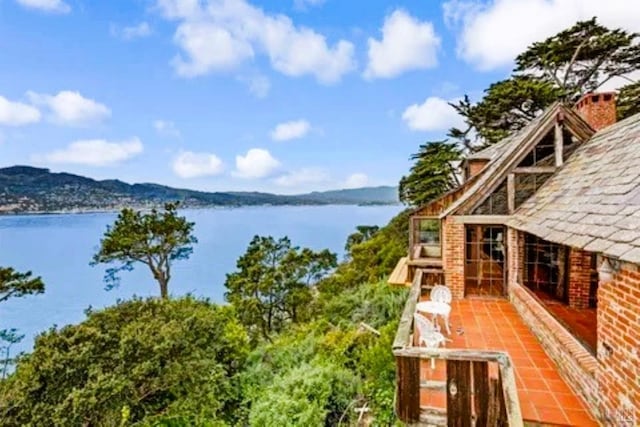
column 499, row 371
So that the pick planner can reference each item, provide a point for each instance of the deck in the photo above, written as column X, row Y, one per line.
column 494, row 324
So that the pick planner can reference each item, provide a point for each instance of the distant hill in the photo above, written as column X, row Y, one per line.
column 25, row 189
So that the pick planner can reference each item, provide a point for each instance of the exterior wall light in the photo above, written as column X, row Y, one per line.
column 608, row 268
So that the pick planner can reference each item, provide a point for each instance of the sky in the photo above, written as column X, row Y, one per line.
column 285, row 96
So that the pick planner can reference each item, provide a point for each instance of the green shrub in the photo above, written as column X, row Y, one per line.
column 140, row 361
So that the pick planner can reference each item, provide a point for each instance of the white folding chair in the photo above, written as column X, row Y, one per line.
column 427, row 334
column 441, row 295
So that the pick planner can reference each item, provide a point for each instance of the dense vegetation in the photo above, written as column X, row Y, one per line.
column 183, row 361
column 563, row 67
column 29, row 189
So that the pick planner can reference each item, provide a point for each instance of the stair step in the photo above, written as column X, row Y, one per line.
column 433, row 385
column 431, row 416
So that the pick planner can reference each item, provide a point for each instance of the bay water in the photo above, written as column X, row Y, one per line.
column 59, row 248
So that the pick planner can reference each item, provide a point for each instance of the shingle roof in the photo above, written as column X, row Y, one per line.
column 491, row 152
column 593, row 201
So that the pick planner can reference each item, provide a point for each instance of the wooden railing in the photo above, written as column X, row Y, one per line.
column 476, row 396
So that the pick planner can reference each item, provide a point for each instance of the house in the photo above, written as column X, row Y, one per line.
column 549, row 219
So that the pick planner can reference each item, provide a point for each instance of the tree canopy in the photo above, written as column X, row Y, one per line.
column 563, row 67
column 14, row 284
column 272, row 283
column 434, row 172
column 155, row 239
column 140, row 361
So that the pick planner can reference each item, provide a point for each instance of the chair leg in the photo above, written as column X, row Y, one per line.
column 446, row 324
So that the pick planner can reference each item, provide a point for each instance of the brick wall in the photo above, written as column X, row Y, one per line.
column 576, row 365
column 619, row 347
column 453, row 259
column 579, row 278
column 609, row 382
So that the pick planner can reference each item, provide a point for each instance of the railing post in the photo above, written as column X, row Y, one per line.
column 408, row 389
column 481, row 393
column 458, row 393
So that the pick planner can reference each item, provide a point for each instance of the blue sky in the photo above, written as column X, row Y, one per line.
column 283, row 96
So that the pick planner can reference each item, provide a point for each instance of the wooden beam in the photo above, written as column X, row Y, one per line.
column 535, row 169
column 558, row 140
column 481, row 219
column 406, row 321
column 511, row 193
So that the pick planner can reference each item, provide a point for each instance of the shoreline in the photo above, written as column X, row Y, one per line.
column 80, row 211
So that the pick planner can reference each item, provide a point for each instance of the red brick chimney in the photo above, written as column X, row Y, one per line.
column 598, row 109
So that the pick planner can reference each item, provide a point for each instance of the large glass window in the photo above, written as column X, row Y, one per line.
column 485, row 254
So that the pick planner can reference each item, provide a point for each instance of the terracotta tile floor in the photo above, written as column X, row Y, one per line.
column 494, row 324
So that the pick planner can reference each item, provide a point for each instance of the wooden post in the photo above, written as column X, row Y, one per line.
column 511, row 193
column 412, row 230
column 558, row 144
column 458, row 393
column 481, row 393
column 408, row 389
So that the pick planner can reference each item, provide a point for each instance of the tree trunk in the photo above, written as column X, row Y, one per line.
column 164, row 287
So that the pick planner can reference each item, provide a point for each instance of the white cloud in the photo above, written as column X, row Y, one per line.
column 140, row 30
column 303, row 177
column 95, row 152
column 432, row 115
column 220, row 35
column 71, row 108
column 208, row 48
column 407, row 44
column 303, row 5
column 257, row 163
column 492, row 34
column 356, row 180
column 16, row 113
column 51, row 6
column 290, row 130
column 166, row 129
column 191, row 165
column 259, row 85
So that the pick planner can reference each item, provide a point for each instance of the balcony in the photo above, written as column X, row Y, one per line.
column 499, row 372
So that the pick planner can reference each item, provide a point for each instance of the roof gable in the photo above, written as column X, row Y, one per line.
column 512, row 150
column 593, row 202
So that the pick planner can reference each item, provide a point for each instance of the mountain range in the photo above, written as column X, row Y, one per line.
column 26, row 189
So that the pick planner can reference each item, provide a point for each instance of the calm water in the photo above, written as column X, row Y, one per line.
column 59, row 248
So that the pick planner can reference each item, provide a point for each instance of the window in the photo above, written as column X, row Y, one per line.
column 545, row 268
column 496, row 203
column 485, row 260
column 526, row 185
column 426, row 237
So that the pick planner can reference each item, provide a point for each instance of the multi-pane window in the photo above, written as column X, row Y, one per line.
column 485, row 255
column 545, row 267
column 526, row 185
column 496, row 203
